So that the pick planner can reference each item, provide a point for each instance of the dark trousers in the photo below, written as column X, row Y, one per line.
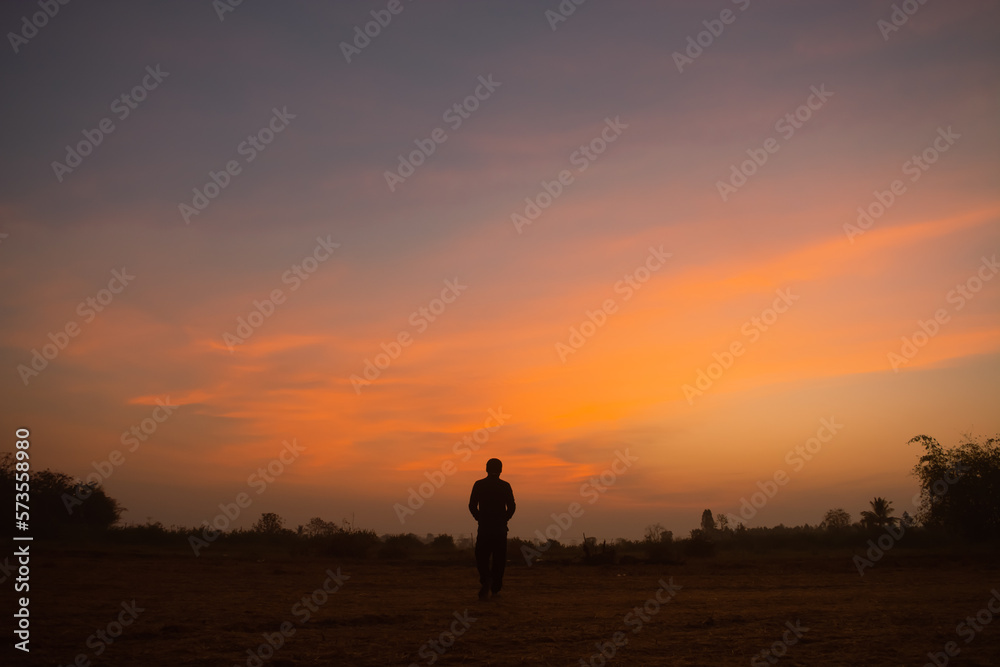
column 491, row 542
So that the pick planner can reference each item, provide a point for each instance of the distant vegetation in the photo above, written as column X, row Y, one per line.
column 959, row 502
column 58, row 504
column 960, row 487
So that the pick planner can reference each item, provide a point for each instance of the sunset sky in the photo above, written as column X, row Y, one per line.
column 601, row 322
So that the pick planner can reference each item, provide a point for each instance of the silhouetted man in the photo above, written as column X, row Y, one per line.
column 492, row 505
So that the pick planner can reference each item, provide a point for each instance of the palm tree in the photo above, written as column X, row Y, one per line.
column 879, row 515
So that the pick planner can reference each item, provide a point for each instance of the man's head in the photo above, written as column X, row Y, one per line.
column 494, row 466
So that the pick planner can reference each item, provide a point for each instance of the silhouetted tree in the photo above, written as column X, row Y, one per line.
column 960, row 487
column 589, row 547
column 58, row 501
column 353, row 544
column 707, row 521
column 879, row 516
column 723, row 522
column 836, row 519
column 659, row 544
column 269, row 523
column 319, row 528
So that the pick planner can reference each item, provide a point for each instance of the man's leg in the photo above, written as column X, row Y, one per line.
column 483, row 562
column 499, row 561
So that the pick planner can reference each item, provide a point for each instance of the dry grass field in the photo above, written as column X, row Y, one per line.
column 218, row 609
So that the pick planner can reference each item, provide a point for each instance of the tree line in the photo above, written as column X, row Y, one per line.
column 959, row 500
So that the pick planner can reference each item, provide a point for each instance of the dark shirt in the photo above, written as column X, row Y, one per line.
column 492, row 501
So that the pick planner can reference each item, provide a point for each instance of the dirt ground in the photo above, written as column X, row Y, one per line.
column 220, row 610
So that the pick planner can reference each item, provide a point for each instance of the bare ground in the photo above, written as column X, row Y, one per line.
column 216, row 610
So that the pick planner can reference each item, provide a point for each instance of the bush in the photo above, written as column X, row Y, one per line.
column 443, row 543
column 699, row 544
column 352, row 544
column 661, row 550
column 400, row 546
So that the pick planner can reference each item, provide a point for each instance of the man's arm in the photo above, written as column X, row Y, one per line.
column 510, row 502
column 474, row 502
